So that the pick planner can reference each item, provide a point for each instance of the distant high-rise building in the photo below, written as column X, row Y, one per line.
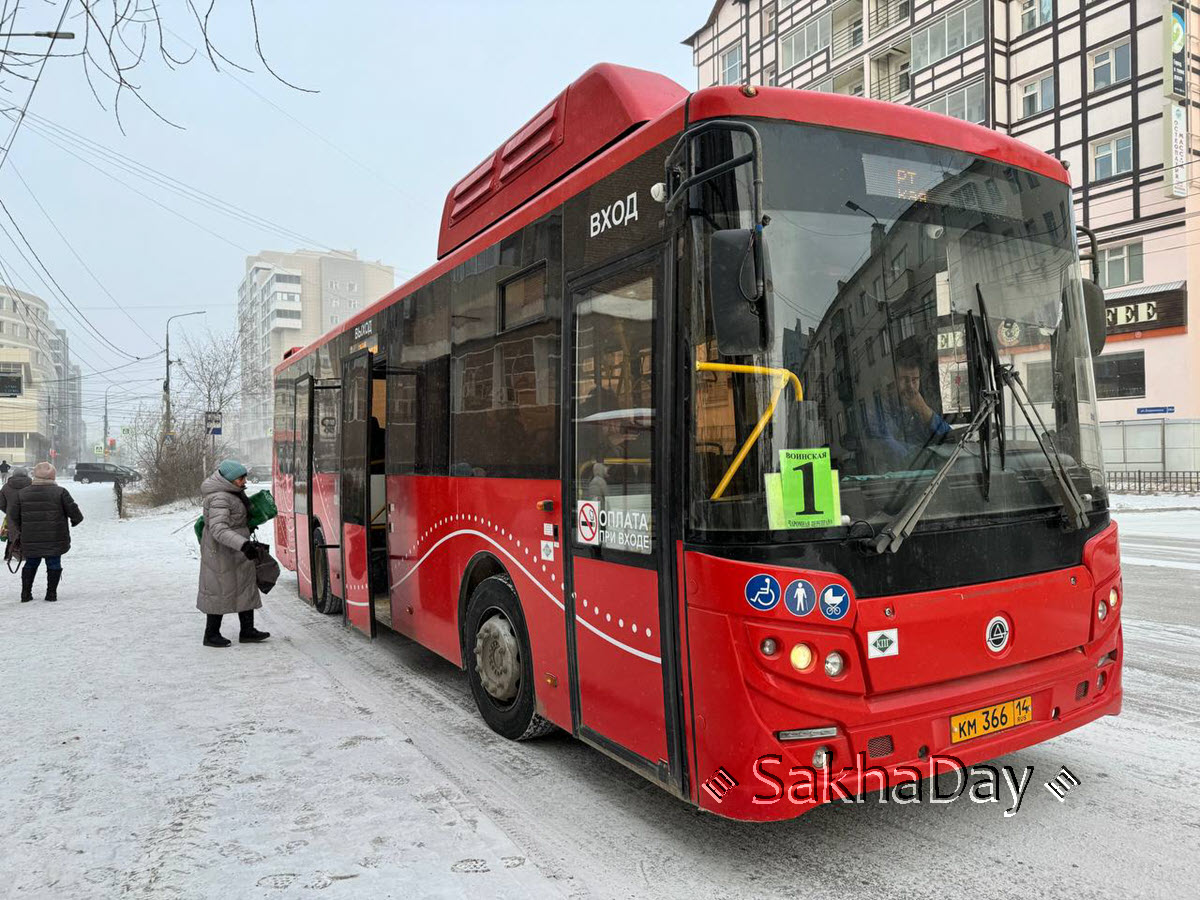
column 288, row 300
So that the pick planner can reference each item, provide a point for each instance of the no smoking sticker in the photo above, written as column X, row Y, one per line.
column 587, row 522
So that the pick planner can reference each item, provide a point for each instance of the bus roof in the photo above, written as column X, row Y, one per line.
column 612, row 114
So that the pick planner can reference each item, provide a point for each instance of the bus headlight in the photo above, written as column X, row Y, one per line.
column 802, row 657
column 1114, row 597
column 834, row 664
column 1101, row 610
column 769, row 646
column 822, row 757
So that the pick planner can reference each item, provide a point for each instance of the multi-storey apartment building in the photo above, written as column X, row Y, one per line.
column 1104, row 86
column 35, row 413
column 288, row 300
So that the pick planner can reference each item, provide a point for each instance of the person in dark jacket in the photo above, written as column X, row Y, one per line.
column 4, row 469
column 17, row 481
column 40, row 515
column 228, row 571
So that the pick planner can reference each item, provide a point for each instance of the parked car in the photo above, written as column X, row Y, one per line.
column 258, row 474
column 85, row 473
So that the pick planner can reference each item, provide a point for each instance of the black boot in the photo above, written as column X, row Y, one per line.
column 53, row 577
column 212, row 633
column 250, row 634
column 27, row 576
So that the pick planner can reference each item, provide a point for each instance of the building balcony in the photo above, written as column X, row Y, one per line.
column 891, row 78
column 847, row 28
column 887, row 14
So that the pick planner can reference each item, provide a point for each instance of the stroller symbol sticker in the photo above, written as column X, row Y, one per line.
column 835, row 602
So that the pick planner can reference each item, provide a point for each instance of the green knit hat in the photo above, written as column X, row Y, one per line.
column 231, row 469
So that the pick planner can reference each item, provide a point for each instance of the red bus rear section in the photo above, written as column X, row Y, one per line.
column 538, row 460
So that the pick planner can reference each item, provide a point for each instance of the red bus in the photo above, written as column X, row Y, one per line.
column 742, row 434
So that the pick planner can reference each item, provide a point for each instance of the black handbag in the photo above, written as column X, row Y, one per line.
column 266, row 569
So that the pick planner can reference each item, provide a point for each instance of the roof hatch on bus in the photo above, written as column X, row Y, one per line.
column 603, row 104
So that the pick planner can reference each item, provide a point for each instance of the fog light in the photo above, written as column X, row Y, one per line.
column 1101, row 610
column 1114, row 597
column 769, row 647
column 834, row 664
column 822, row 757
column 802, row 657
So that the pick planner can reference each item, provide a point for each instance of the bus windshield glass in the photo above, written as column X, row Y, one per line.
column 899, row 275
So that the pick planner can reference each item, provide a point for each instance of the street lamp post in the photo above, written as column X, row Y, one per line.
column 167, row 383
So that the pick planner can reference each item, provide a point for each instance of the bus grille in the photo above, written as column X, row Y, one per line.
column 1081, row 690
column 880, row 746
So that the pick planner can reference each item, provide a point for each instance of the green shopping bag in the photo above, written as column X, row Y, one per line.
column 262, row 509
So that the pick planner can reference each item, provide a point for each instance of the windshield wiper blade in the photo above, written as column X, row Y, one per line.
column 1074, row 506
column 897, row 530
column 1075, row 510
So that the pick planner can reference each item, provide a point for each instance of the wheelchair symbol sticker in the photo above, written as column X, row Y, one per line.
column 762, row 592
column 835, row 602
column 800, row 598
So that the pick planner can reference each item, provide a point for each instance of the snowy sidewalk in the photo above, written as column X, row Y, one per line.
column 137, row 762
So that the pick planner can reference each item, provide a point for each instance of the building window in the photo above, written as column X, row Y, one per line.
column 1112, row 156
column 768, row 19
column 968, row 104
column 770, row 78
column 1039, row 381
column 1119, row 266
column 1035, row 13
column 947, row 36
column 1121, row 375
column 808, row 40
column 1110, row 66
column 1037, row 96
column 731, row 65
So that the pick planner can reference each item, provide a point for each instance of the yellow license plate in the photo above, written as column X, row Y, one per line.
column 990, row 719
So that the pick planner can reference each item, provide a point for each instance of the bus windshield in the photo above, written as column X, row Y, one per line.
column 895, row 268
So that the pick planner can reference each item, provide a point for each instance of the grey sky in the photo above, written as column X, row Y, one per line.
column 416, row 93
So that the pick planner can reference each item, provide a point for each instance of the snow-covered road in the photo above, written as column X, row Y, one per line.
column 138, row 763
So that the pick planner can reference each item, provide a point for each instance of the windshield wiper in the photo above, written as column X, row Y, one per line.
column 1074, row 507
column 895, row 532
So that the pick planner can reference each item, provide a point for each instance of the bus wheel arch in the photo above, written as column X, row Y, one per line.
column 483, row 565
column 499, row 661
column 324, row 599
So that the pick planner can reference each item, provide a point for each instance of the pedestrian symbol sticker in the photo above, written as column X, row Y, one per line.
column 588, row 523
column 762, row 592
column 883, row 643
column 835, row 602
column 800, row 598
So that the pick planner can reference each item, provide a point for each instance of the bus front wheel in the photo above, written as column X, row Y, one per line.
column 499, row 664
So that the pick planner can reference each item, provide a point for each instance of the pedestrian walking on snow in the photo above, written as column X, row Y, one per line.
column 228, row 571
column 41, row 516
column 4, row 470
column 17, row 481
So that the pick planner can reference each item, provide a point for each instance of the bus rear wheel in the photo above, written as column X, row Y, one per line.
column 499, row 664
column 324, row 600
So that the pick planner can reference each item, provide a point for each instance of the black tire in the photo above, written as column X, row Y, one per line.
column 85, row 481
column 324, row 600
column 516, row 718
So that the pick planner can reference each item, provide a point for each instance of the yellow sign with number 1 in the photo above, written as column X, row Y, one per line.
column 804, row 492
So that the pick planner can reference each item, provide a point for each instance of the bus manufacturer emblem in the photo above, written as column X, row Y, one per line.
column 883, row 643
column 997, row 633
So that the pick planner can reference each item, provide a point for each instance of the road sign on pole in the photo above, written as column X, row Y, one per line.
column 212, row 422
column 98, row 449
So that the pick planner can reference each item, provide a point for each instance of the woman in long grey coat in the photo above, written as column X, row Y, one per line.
column 228, row 579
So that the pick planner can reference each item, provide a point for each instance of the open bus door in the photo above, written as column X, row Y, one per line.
column 302, row 485
column 355, row 491
column 621, row 631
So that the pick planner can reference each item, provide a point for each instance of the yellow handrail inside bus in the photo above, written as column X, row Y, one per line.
column 784, row 376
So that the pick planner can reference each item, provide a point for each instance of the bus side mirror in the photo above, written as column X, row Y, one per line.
column 1093, row 310
column 738, row 279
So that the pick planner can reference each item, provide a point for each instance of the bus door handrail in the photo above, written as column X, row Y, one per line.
column 785, row 377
